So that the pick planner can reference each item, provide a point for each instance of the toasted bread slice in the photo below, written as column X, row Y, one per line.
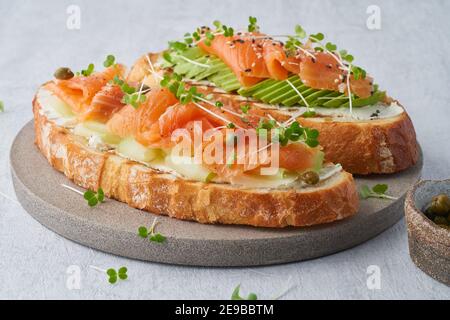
column 363, row 147
column 162, row 193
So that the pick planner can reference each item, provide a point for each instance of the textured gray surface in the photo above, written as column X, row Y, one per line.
column 409, row 56
column 112, row 226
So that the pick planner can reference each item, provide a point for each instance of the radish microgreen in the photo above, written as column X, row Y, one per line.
column 377, row 191
column 109, row 61
column 93, row 198
column 145, row 233
column 87, row 72
column 252, row 26
column 113, row 274
column 132, row 96
column 236, row 295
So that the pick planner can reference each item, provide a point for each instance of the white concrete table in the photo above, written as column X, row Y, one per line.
column 409, row 56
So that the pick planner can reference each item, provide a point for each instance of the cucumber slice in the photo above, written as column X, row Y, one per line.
column 187, row 167
column 90, row 129
column 62, row 109
column 133, row 150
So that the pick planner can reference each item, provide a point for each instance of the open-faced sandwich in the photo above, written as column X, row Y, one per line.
column 189, row 152
column 294, row 76
column 226, row 127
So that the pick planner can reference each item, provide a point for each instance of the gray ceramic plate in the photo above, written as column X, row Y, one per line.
column 112, row 226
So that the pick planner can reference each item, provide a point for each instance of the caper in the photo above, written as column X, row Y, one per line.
column 429, row 213
column 63, row 74
column 440, row 220
column 440, row 205
column 310, row 177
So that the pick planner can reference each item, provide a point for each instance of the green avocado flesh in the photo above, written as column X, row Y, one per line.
column 197, row 65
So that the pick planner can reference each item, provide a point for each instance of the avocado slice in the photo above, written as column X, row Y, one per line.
column 336, row 102
column 360, row 102
column 304, row 90
column 263, row 91
column 277, row 96
column 246, row 92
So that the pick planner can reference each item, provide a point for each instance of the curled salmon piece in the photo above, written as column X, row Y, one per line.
column 275, row 59
column 79, row 91
column 140, row 122
column 244, row 58
column 323, row 71
column 104, row 104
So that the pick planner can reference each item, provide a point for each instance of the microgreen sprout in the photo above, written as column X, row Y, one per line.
column 113, row 274
column 109, row 61
column 377, row 191
column 245, row 108
column 236, row 295
column 175, row 84
column 143, row 232
column 252, row 26
column 88, row 71
column 294, row 132
column 131, row 96
column 93, row 198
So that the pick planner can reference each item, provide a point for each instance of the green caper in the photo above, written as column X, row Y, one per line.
column 429, row 213
column 440, row 205
column 63, row 74
column 440, row 220
column 310, row 177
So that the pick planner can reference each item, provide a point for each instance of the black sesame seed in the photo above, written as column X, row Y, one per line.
column 248, row 70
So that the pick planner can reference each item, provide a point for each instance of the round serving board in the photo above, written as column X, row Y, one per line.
column 112, row 226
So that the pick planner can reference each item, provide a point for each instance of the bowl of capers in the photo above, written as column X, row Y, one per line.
column 427, row 210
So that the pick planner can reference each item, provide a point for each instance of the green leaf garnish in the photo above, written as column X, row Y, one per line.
column 132, row 96
column 109, row 61
column 158, row 237
column 299, row 32
column 316, row 37
column 245, row 108
column 2, row 106
column 231, row 125
column 219, row 104
column 236, row 295
column 113, row 274
column 143, row 232
column 252, row 26
column 377, row 191
column 330, row 47
column 93, row 198
column 87, row 72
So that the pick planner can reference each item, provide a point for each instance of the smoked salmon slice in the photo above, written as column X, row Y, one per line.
column 323, row 71
column 252, row 57
column 104, row 104
column 79, row 91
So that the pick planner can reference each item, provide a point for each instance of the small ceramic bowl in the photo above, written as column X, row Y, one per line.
column 429, row 244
